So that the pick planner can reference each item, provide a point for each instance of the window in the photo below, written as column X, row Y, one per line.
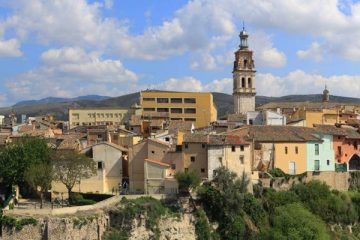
column 189, row 100
column 249, row 83
column 339, row 150
column 176, row 110
column 186, row 145
column 176, row 119
column 192, row 158
column 242, row 159
column 286, row 150
column 162, row 100
column 243, row 82
column 98, row 115
column 190, row 110
column 173, row 166
column 203, row 170
column 251, row 122
column 178, row 148
column 245, row 63
column 176, row 100
column 153, row 152
column 99, row 136
column 328, row 162
column 190, row 119
column 149, row 99
column 233, row 148
column 316, row 149
column 242, row 148
column 89, row 115
column 100, row 165
column 317, row 165
column 167, row 139
column 117, row 115
column 162, row 110
column 149, row 109
column 203, row 145
column 107, row 115
column 296, row 150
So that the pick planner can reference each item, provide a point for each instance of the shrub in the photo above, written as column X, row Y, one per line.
column 76, row 199
column 187, row 181
column 293, row 221
column 277, row 172
column 202, row 227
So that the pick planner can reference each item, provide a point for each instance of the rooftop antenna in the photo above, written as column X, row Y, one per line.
column 243, row 26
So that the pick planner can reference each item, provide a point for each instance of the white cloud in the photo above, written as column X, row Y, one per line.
column 188, row 84
column 265, row 54
column 315, row 52
column 69, row 72
column 10, row 48
column 300, row 82
column 108, row 4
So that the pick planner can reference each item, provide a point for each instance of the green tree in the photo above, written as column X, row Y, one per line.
column 70, row 167
column 187, row 181
column 16, row 158
column 39, row 176
column 295, row 222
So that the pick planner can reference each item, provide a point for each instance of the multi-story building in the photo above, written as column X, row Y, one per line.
column 195, row 107
column 100, row 116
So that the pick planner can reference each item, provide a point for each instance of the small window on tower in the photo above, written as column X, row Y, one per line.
column 249, row 83
column 243, row 82
column 245, row 63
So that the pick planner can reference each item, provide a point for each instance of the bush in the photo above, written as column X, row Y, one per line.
column 295, row 222
column 202, row 227
column 97, row 197
column 277, row 172
column 76, row 199
column 187, row 180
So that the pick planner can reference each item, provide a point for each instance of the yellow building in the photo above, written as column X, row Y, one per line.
column 188, row 106
column 100, row 116
column 290, row 157
column 320, row 116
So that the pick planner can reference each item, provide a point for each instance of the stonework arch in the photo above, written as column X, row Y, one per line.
column 354, row 163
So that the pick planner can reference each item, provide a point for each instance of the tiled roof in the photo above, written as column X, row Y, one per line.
column 156, row 123
column 157, row 162
column 348, row 132
column 119, row 147
column 307, row 105
column 226, row 140
column 183, row 126
column 70, row 141
column 276, row 133
column 196, row 138
column 135, row 120
column 159, row 141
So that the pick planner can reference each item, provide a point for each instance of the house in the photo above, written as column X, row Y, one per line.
column 231, row 152
column 146, row 157
column 346, row 142
column 110, row 173
column 265, row 117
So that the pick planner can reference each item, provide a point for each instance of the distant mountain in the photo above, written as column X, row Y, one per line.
column 58, row 100
column 224, row 102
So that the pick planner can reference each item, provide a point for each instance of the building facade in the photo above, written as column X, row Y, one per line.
column 198, row 108
column 100, row 116
column 244, row 90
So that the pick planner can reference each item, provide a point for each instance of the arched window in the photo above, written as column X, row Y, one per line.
column 249, row 83
column 245, row 63
column 243, row 82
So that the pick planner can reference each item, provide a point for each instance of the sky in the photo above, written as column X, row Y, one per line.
column 67, row 48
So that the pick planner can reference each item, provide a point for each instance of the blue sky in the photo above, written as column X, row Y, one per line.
column 112, row 47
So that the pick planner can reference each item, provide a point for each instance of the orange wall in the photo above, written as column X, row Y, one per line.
column 347, row 149
column 281, row 159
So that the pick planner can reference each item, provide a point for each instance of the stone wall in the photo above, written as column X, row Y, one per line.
column 336, row 180
column 89, row 227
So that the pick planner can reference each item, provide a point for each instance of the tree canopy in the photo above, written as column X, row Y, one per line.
column 70, row 167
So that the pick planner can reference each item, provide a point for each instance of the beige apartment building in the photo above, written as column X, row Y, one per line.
column 195, row 107
column 100, row 116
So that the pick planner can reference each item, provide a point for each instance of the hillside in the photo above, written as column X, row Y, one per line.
column 223, row 101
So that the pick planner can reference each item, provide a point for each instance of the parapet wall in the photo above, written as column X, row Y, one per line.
column 336, row 180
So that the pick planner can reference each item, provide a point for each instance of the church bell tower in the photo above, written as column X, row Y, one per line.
column 244, row 90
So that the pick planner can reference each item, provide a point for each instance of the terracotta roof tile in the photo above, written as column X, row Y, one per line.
column 157, row 162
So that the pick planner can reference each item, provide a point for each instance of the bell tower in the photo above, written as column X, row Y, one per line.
column 244, row 90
